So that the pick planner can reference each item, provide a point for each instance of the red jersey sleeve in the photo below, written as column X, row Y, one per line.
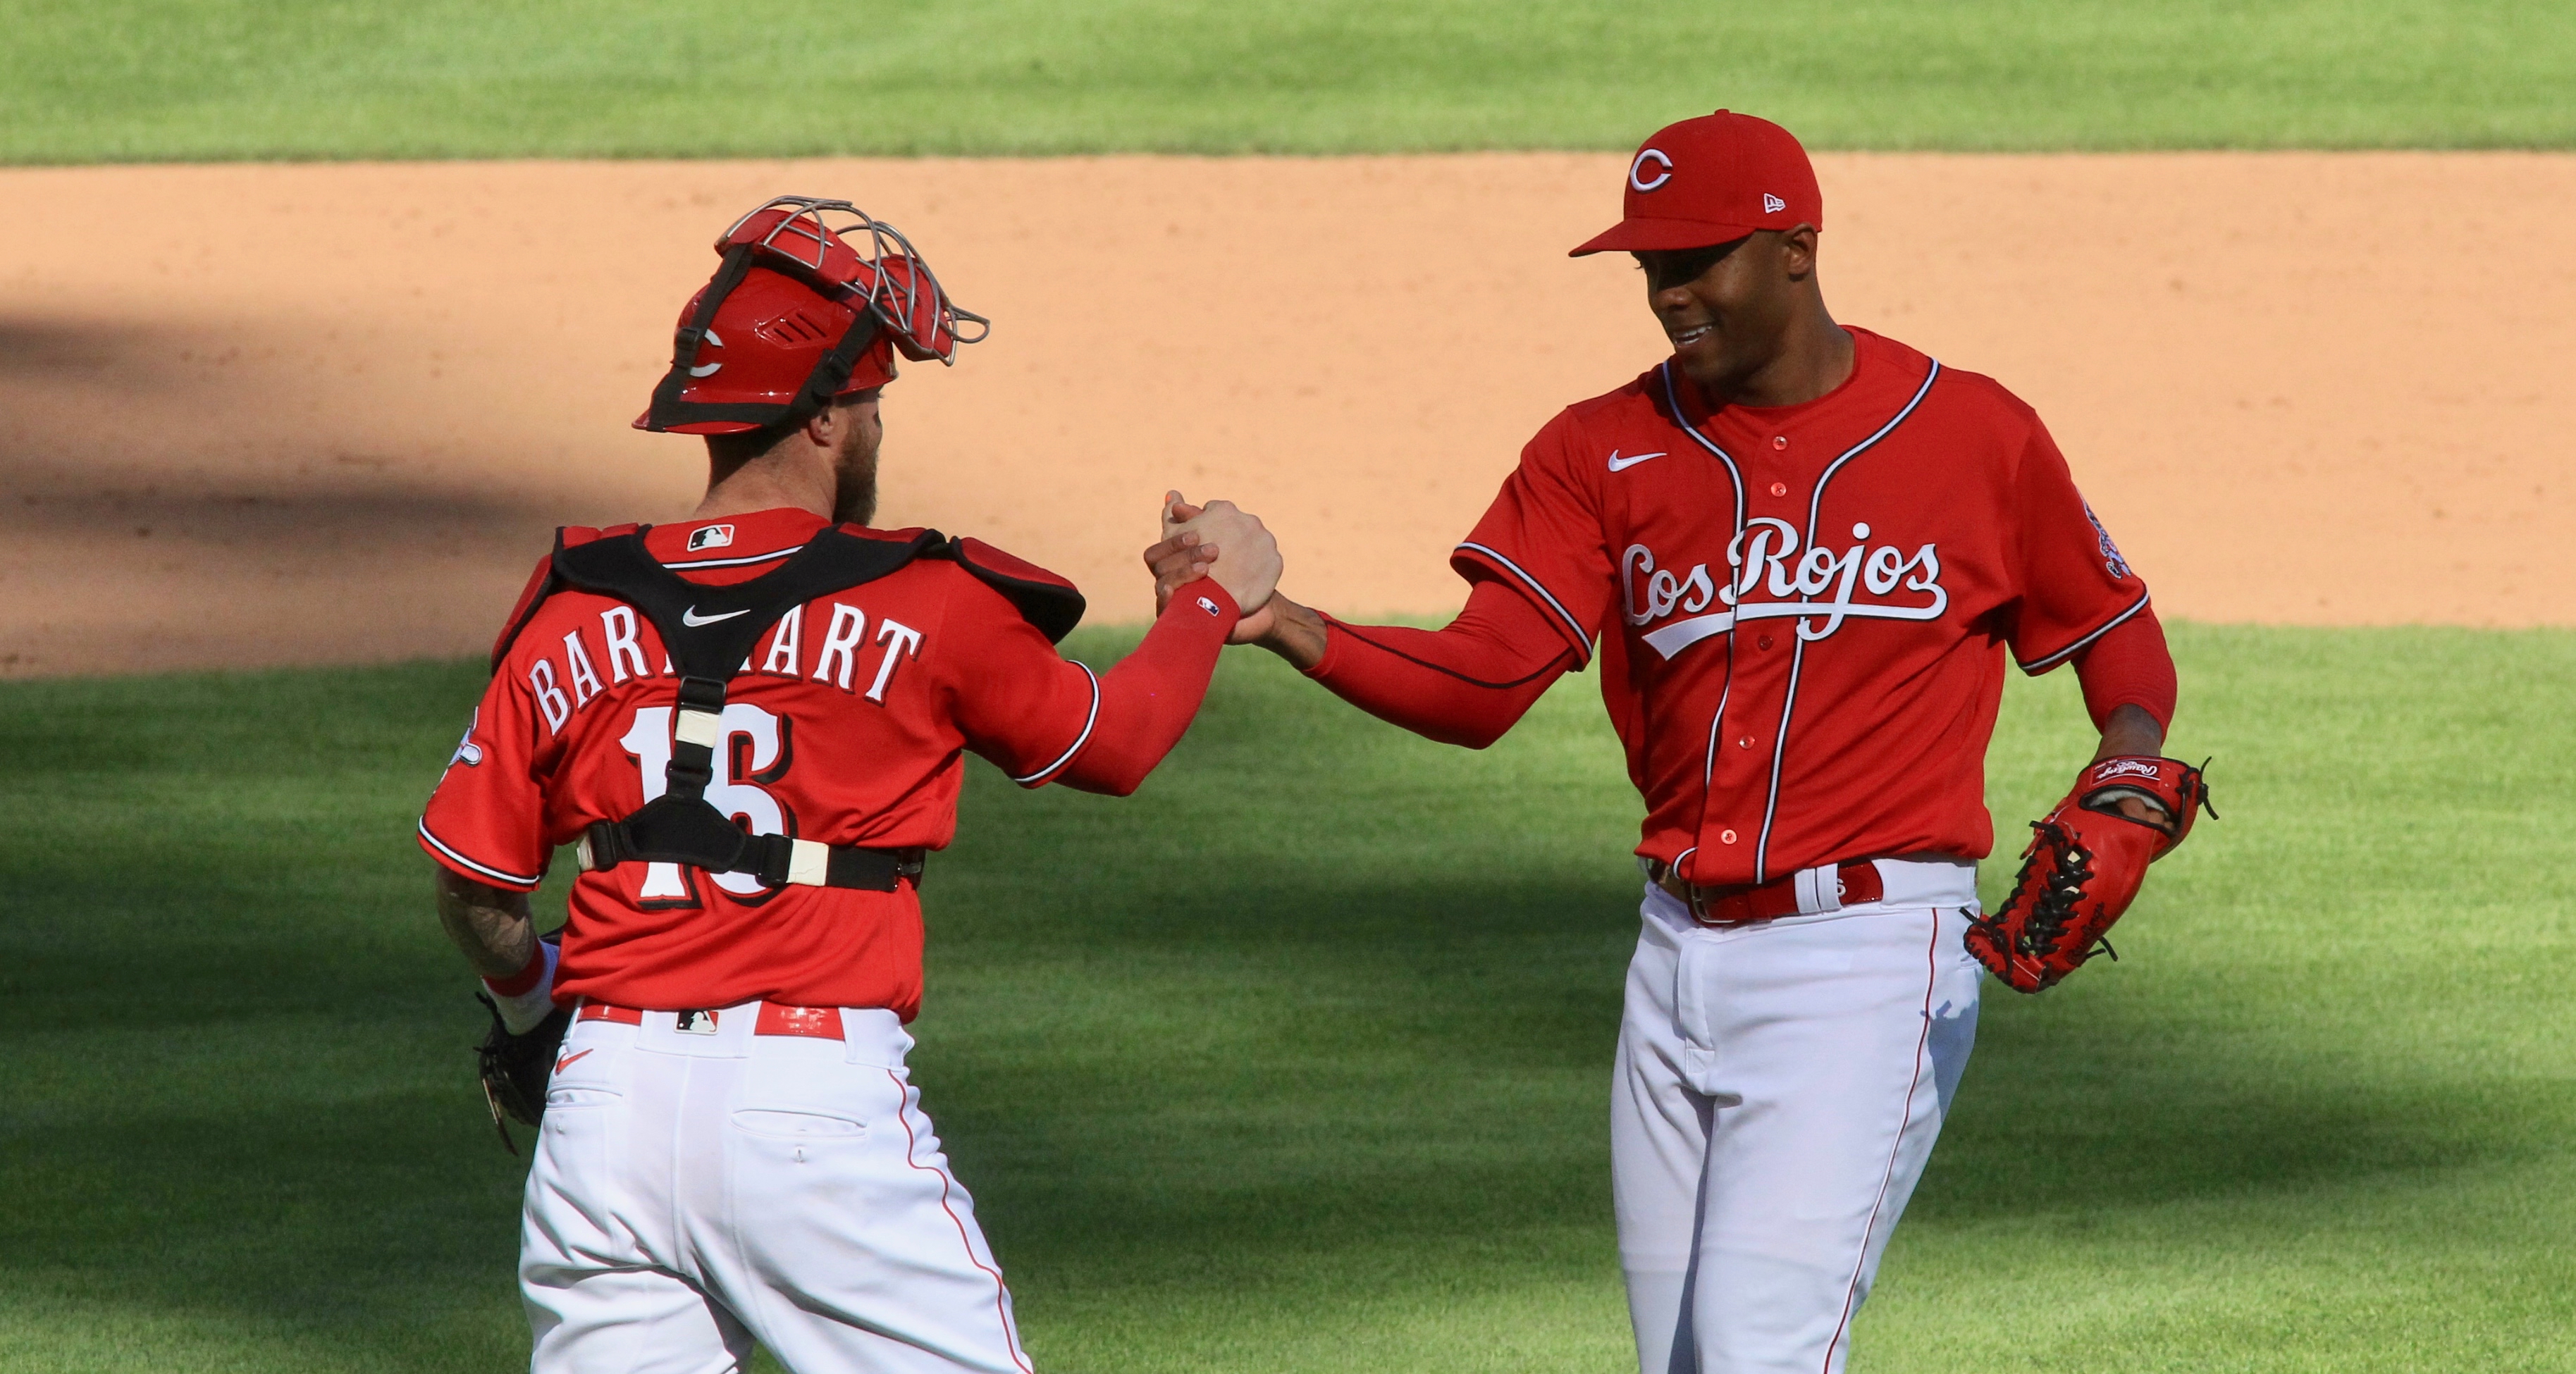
column 1542, row 537
column 2073, row 584
column 1042, row 718
column 486, row 820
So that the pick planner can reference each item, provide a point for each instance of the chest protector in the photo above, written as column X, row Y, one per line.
column 708, row 632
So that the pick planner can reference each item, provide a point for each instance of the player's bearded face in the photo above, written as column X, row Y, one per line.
column 854, row 467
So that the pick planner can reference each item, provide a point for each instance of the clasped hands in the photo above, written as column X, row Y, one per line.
column 1221, row 541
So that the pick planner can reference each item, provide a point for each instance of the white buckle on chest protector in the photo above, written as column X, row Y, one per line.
column 807, row 862
column 1820, row 889
column 698, row 727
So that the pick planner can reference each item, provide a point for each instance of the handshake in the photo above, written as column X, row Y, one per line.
column 1224, row 543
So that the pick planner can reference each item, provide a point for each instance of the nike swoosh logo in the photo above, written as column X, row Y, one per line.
column 568, row 1060
column 1619, row 464
column 693, row 620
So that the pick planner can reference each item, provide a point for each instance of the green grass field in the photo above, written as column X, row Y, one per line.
column 1298, row 1060
column 129, row 80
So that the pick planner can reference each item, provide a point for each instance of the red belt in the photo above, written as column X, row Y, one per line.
column 776, row 1018
column 1858, row 883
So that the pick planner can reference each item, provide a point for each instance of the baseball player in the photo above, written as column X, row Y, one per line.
column 751, row 724
column 1803, row 551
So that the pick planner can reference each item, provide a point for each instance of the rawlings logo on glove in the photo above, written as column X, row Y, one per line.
column 2084, row 866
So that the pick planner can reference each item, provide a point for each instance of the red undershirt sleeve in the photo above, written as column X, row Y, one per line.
column 2128, row 666
column 1464, row 684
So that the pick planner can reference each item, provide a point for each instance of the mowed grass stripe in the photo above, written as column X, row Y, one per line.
column 1298, row 1060
column 185, row 80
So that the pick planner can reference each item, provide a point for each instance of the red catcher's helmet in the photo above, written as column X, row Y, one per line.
column 799, row 314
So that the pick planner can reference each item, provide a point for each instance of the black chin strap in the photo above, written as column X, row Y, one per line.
column 669, row 411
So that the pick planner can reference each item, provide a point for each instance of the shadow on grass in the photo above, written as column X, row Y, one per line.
column 1343, row 1009
column 1370, row 1086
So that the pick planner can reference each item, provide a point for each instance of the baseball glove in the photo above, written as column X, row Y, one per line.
column 2084, row 865
column 515, row 1068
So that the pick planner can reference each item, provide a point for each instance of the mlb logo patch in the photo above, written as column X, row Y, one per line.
column 695, row 1023
column 710, row 537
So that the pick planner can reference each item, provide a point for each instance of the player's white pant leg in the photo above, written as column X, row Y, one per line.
column 790, row 1185
column 1824, row 1050
column 854, row 1246
column 1658, row 1150
column 599, row 1262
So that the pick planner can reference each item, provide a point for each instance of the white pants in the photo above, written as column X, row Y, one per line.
column 695, row 1193
column 1778, row 1090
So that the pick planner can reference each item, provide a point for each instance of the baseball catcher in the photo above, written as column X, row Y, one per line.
column 750, row 727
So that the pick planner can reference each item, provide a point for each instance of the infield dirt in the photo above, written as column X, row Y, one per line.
column 319, row 413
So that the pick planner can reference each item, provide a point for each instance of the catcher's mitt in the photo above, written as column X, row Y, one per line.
column 2083, row 868
column 515, row 1068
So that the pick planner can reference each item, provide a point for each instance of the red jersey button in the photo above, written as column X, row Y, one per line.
column 1779, row 441
column 1744, row 743
column 1764, row 642
column 1726, row 837
column 1779, row 488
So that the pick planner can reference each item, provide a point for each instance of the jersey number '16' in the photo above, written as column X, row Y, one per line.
column 747, row 730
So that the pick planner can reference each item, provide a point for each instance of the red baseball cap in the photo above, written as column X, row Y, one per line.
column 1712, row 180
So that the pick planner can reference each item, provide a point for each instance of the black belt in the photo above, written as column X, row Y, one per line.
column 776, row 860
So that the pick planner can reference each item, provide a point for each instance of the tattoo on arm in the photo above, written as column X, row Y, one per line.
column 2130, row 730
column 491, row 925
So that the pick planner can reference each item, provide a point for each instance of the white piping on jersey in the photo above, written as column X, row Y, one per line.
column 1080, row 740
column 2041, row 665
column 1816, row 501
column 488, row 871
column 734, row 562
column 1798, row 656
column 1697, row 628
column 1673, row 405
column 1708, row 762
column 1779, row 751
column 1581, row 635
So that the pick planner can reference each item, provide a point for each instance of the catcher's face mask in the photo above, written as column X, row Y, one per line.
column 813, row 301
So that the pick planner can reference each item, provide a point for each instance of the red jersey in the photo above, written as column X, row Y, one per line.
column 849, row 727
column 1803, row 611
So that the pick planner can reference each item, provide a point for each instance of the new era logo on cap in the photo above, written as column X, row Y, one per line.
column 1772, row 205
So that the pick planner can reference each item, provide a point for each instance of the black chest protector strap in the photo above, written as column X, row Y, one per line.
column 709, row 633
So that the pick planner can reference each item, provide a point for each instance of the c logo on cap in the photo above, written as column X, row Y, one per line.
column 1637, row 170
